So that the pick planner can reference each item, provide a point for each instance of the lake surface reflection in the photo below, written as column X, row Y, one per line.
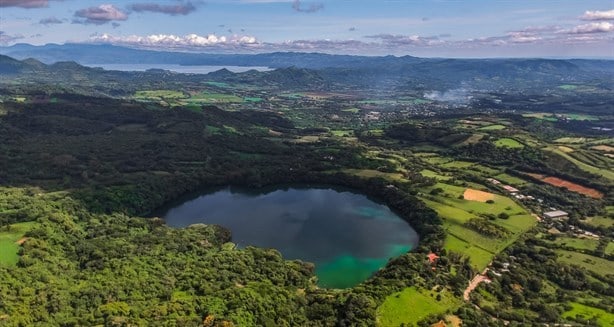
column 345, row 234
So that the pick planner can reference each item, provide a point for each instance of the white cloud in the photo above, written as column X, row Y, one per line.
column 169, row 40
column 100, row 15
column 597, row 27
column 598, row 15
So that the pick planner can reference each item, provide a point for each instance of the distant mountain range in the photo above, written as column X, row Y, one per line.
column 362, row 72
column 87, row 54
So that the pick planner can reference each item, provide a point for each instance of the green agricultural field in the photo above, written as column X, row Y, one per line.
column 603, row 317
column 370, row 173
column 495, row 127
column 600, row 221
column 577, row 243
column 597, row 265
column 458, row 164
column 412, row 305
column 252, row 99
column 343, row 133
column 432, row 174
column 480, row 258
column 609, row 174
column 205, row 97
column 508, row 143
column 509, row 179
column 159, row 94
column 484, row 170
column 8, row 238
column 455, row 212
column 541, row 115
column 571, row 140
column 609, row 249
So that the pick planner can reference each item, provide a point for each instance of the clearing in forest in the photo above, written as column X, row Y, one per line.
column 476, row 195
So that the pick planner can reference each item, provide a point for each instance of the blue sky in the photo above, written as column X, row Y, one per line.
column 441, row 28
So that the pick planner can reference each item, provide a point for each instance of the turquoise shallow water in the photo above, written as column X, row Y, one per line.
column 345, row 234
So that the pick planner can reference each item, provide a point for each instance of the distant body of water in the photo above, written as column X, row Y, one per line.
column 346, row 235
column 177, row 68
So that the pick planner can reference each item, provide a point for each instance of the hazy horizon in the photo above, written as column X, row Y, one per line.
column 447, row 29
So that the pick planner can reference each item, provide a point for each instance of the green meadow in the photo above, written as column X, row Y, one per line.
column 8, row 237
column 412, row 305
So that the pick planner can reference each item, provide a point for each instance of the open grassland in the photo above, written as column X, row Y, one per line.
column 457, row 211
column 508, row 143
column 577, row 243
column 205, row 97
column 8, row 242
column 597, row 265
column 159, row 94
column 571, row 140
column 370, row 173
column 495, row 127
column 438, row 176
column 509, row 179
column 457, row 164
column 607, row 173
column 603, row 317
column 479, row 257
column 412, row 305
column 600, row 221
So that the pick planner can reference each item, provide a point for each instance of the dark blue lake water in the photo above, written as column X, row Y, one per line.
column 345, row 234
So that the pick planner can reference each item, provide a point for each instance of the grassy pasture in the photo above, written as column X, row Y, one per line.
column 495, row 127
column 609, row 174
column 597, row 265
column 600, row 221
column 603, row 317
column 455, row 212
column 577, row 243
column 8, row 238
column 412, row 305
column 571, row 140
column 430, row 173
column 508, row 143
column 159, row 94
column 370, row 173
column 206, row 97
column 479, row 257
column 509, row 179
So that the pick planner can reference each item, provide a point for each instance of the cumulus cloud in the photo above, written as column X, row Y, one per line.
column 596, row 27
column 310, row 8
column 523, row 37
column 183, row 8
column 190, row 41
column 100, row 15
column 6, row 39
column 399, row 40
column 49, row 21
column 24, row 3
column 598, row 15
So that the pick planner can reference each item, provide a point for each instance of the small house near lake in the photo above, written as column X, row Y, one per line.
column 556, row 214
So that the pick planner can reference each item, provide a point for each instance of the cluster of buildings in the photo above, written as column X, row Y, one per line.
column 513, row 191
